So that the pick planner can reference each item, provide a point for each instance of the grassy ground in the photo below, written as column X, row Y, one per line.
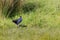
column 42, row 24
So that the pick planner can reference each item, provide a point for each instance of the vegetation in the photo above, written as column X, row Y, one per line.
column 42, row 18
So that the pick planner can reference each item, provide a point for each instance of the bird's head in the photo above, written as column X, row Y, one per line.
column 20, row 16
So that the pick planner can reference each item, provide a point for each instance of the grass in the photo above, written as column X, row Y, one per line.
column 42, row 24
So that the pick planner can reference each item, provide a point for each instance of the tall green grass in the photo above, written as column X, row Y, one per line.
column 43, row 23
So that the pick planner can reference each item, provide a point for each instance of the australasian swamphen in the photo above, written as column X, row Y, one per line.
column 17, row 21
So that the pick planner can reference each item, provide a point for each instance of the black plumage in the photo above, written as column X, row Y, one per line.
column 18, row 21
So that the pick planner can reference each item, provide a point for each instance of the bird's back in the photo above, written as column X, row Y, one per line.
column 19, row 20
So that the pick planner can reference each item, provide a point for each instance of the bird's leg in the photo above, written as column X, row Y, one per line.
column 17, row 25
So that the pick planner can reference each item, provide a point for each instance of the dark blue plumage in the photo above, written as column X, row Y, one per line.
column 18, row 20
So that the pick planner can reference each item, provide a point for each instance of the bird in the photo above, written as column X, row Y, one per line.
column 17, row 21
